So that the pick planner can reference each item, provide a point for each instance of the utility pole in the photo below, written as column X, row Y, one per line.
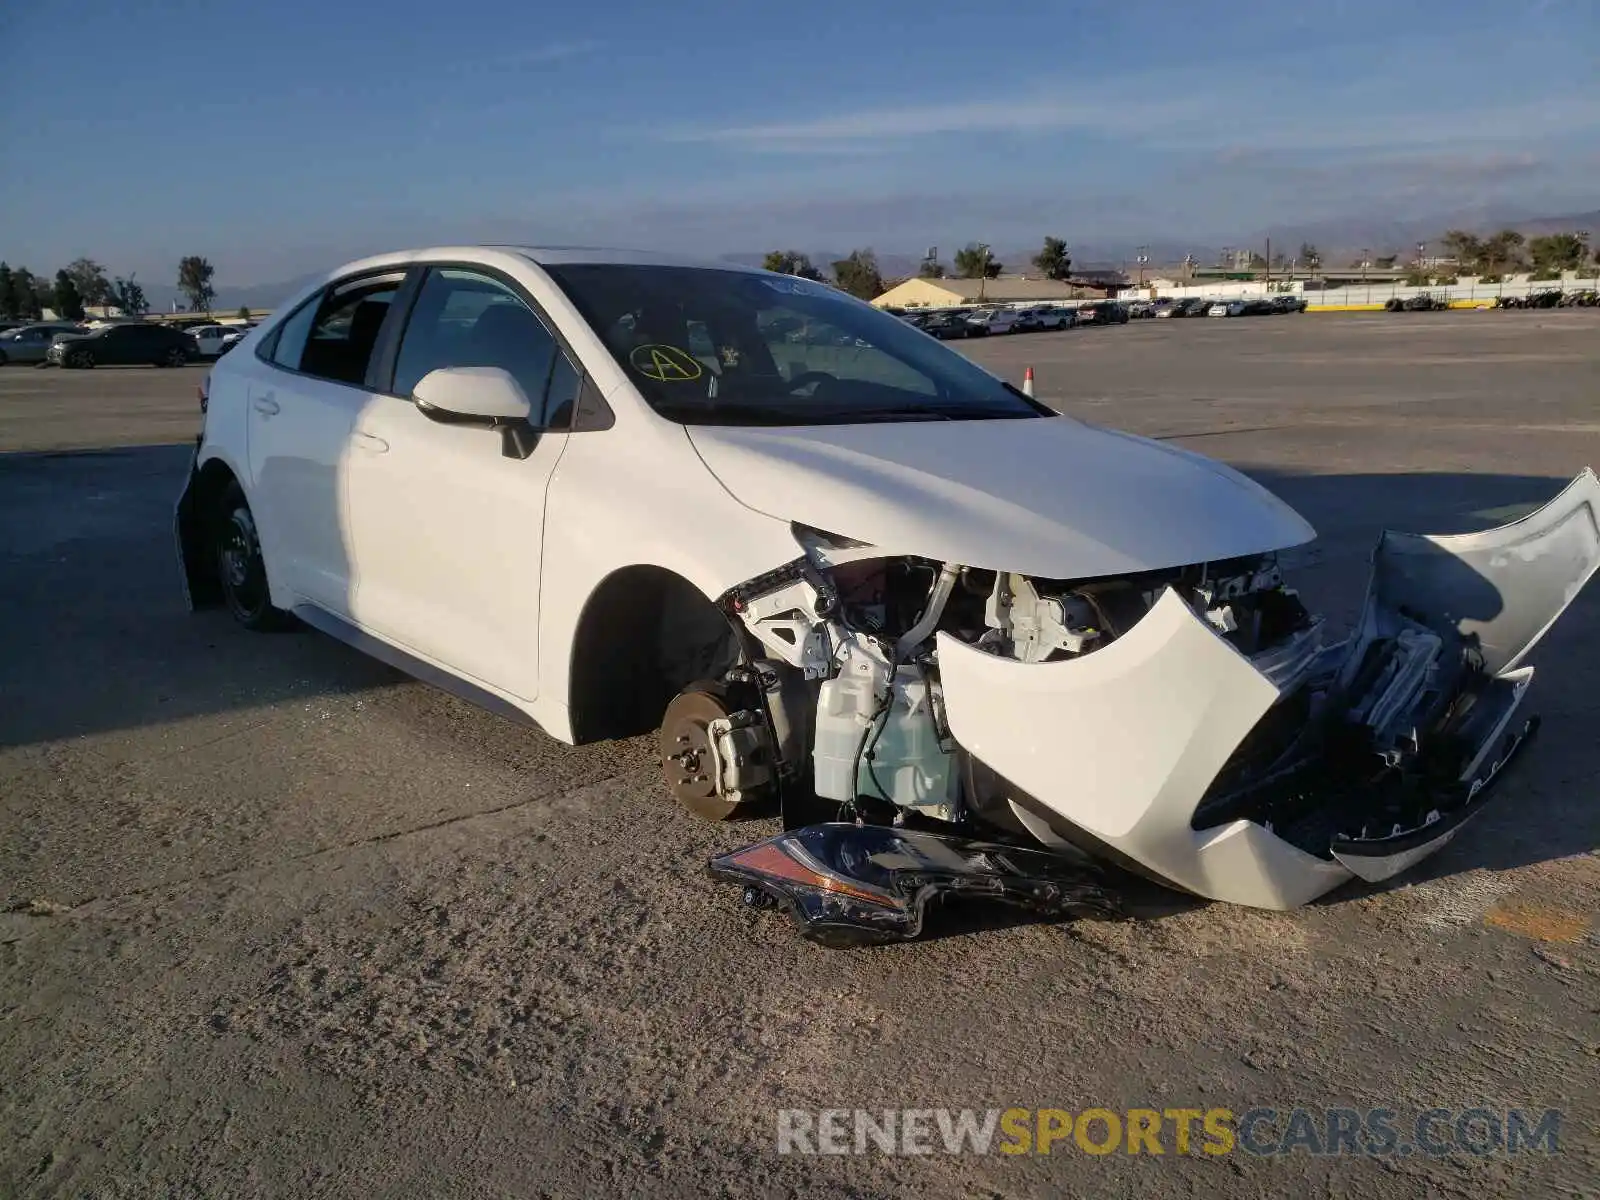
column 1142, row 259
column 1269, row 264
column 983, row 272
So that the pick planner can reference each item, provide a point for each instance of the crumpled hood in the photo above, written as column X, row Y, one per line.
column 1050, row 497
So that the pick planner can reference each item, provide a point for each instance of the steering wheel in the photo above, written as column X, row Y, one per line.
column 807, row 377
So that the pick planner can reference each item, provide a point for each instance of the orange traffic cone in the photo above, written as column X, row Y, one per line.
column 1027, row 382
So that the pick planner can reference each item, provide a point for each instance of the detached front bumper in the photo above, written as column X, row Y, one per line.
column 1120, row 751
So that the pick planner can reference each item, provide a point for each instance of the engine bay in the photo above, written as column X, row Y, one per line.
column 839, row 695
column 1195, row 725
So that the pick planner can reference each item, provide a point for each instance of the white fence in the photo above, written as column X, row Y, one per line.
column 1465, row 289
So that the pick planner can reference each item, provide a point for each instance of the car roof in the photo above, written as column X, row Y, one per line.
column 542, row 255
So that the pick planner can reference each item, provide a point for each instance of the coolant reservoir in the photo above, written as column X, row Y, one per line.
column 909, row 767
column 845, row 705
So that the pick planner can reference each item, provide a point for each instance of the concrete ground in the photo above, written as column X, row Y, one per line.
column 279, row 921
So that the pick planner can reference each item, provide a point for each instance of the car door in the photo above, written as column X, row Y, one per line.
column 302, row 408
column 111, row 347
column 447, row 529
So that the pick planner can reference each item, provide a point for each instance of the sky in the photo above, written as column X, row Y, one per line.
column 283, row 138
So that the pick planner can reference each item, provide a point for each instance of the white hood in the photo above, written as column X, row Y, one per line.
column 1050, row 497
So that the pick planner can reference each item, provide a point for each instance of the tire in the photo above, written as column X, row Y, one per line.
column 83, row 359
column 241, row 571
column 3, row 359
column 173, row 358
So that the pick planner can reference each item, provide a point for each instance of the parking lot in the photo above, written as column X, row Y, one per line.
column 279, row 920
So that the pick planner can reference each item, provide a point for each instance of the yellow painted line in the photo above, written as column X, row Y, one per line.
column 1537, row 921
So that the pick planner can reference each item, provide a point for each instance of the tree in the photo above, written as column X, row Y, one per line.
column 859, row 275
column 1465, row 248
column 1054, row 260
column 244, row 312
column 127, row 295
column 931, row 268
column 66, row 300
column 10, row 300
column 1310, row 258
column 1558, row 252
column 1503, row 252
column 791, row 262
column 89, row 277
column 31, row 294
column 1386, row 262
column 975, row 262
column 194, row 281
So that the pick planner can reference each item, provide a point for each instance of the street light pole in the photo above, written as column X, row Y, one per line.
column 1142, row 260
column 983, row 273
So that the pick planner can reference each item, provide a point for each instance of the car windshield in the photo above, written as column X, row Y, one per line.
column 722, row 347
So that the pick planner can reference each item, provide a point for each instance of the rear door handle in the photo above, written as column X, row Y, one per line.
column 371, row 443
column 266, row 406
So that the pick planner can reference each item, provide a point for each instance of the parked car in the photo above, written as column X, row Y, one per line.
column 1140, row 309
column 1103, row 312
column 912, row 564
column 1054, row 316
column 31, row 343
column 1289, row 304
column 235, row 335
column 1225, row 308
column 125, row 345
column 946, row 325
column 211, row 338
column 993, row 320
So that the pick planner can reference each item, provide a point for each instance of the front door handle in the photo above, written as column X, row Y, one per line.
column 371, row 443
column 266, row 406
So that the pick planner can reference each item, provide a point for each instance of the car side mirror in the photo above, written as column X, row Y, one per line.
column 484, row 397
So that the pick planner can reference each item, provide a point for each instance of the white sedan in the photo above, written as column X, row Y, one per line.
column 611, row 492
column 213, row 339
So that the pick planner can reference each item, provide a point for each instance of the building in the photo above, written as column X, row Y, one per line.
column 1006, row 289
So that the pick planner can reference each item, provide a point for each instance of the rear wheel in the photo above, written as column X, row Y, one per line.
column 240, row 568
column 81, row 358
column 174, row 358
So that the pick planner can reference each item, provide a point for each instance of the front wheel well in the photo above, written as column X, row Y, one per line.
column 644, row 635
column 196, row 512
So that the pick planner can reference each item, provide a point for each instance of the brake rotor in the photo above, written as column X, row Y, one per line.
column 687, row 760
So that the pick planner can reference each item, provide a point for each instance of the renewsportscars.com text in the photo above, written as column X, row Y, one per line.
column 1262, row 1132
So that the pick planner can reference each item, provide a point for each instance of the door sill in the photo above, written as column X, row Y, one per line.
column 419, row 669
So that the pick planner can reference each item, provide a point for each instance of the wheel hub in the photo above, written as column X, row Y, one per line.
column 690, row 760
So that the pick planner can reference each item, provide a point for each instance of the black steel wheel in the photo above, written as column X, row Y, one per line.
column 240, row 568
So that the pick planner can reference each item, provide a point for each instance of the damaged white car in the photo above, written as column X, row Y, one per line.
column 958, row 640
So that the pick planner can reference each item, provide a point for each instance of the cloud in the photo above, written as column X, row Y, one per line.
column 1028, row 112
column 551, row 52
column 1179, row 113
